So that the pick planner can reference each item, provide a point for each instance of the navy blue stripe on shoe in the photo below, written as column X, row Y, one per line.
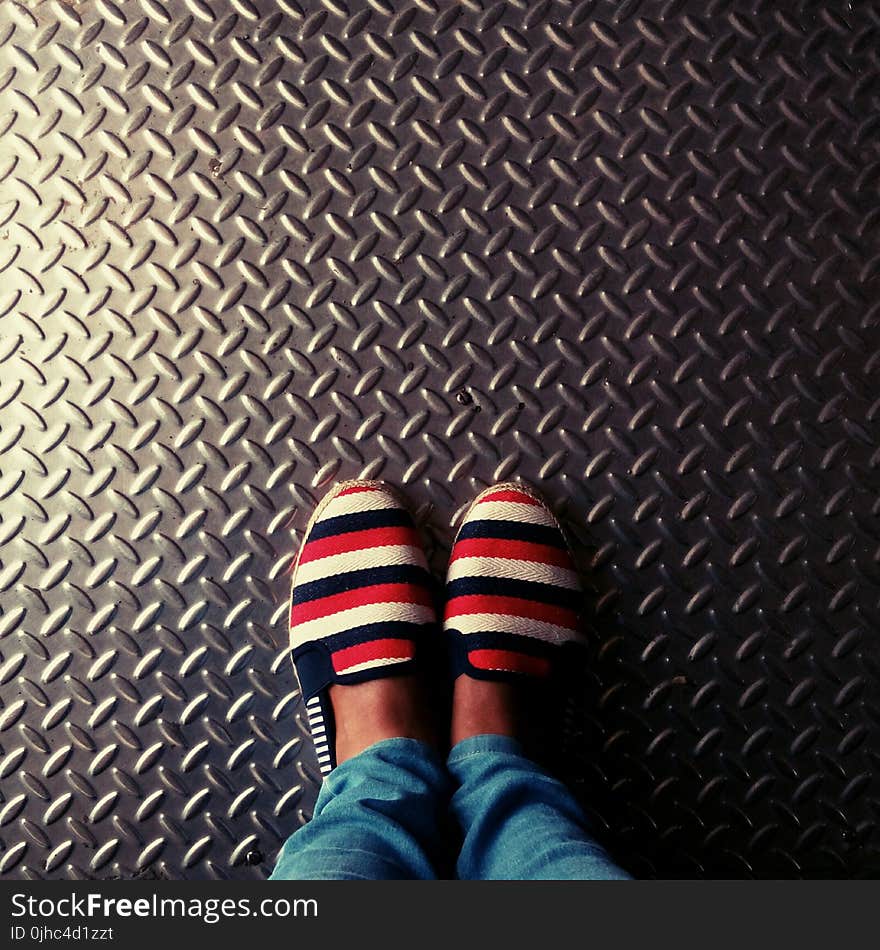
column 512, row 531
column 352, row 580
column 360, row 521
column 393, row 629
column 512, row 587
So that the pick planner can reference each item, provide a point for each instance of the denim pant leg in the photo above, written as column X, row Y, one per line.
column 379, row 816
column 519, row 823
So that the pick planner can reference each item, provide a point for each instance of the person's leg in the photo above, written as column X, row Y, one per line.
column 361, row 612
column 380, row 811
column 378, row 817
column 512, row 603
column 519, row 822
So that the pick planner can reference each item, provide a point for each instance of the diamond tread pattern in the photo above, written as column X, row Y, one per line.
column 626, row 250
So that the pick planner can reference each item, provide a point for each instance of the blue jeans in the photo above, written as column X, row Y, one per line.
column 380, row 816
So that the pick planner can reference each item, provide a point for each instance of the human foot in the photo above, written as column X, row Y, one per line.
column 481, row 707
column 388, row 708
column 360, row 604
column 512, row 600
column 512, row 591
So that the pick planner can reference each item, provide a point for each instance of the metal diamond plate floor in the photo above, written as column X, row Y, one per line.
column 626, row 250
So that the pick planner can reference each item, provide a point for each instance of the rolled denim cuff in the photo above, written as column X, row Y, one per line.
column 479, row 745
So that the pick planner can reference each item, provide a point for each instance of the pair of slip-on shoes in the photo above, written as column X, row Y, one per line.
column 362, row 605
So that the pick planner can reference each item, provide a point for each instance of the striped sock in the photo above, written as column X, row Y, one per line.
column 360, row 600
column 512, row 592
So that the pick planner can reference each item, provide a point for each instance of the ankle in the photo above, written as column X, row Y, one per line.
column 483, row 707
column 388, row 708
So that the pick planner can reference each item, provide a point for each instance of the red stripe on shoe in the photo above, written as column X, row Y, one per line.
column 509, row 494
column 387, row 649
column 510, row 661
column 511, row 607
column 358, row 541
column 360, row 597
column 515, row 550
column 354, row 489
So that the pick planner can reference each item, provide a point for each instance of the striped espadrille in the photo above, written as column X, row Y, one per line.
column 360, row 599
column 513, row 595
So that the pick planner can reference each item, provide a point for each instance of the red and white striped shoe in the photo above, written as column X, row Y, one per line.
column 513, row 595
column 360, row 600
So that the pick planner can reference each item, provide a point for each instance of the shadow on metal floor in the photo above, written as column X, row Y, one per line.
column 626, row 250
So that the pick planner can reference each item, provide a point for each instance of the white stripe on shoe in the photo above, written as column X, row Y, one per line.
column 367, row 500
column 511, row 623
column 513, row 569
column 315, row 715
column 511, row 511
column 391, row 555
column 344, row 620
